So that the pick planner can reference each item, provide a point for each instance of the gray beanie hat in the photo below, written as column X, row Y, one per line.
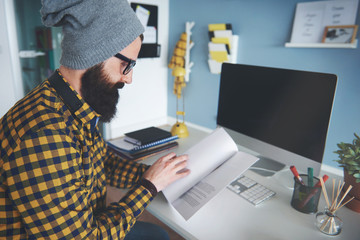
column 94, row 30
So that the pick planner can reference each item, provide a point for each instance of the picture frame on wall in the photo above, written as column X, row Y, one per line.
column 312, row 17
column 340, row 34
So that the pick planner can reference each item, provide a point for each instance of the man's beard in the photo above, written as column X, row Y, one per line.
column 98, row 91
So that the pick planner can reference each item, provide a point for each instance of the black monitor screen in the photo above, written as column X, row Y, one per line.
column 289, row 109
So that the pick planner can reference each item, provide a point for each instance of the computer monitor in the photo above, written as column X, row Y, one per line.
column 280, row 115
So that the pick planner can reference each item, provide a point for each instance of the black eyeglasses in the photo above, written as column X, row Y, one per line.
column 129, row 66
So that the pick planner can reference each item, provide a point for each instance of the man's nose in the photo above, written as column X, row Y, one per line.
column 127, row 78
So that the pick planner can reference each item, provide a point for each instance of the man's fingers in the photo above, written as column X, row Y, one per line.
column 169, row 156
column 183, row 170
column 180, row 164
column 180, row 168
column 167, row 169
column 179, row 159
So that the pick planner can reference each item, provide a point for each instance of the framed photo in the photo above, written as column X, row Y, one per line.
column 340, row 34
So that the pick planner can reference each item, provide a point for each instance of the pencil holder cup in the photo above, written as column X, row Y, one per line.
column 328, row 223
column 305, row 198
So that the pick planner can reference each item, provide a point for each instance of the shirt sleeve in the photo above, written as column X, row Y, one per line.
column 46, row 185
column 122, row 173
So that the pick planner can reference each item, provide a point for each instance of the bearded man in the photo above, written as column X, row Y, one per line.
column 54, row 163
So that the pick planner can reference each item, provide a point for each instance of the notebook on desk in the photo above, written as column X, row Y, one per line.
column 125, row 146
column 140, row 155
column 143, row 143
column 147, row 135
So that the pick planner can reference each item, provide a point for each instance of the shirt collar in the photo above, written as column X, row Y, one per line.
column 73, row 100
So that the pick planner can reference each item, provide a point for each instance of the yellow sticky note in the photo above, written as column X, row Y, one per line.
column 222, row 40
column 219, row 26
column 218, row 52
column 219, row 56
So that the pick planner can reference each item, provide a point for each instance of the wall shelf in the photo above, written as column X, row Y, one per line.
column 322, row 45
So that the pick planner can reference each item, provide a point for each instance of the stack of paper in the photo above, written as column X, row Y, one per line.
column 220, row 45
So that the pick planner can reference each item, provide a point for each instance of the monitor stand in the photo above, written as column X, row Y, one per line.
column 266, row 167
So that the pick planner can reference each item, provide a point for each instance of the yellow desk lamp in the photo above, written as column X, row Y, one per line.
column 181, row 65
column 179, row 128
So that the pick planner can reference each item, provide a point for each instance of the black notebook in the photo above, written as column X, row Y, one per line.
column 147, row 135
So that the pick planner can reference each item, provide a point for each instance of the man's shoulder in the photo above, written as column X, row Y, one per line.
column 40, row 108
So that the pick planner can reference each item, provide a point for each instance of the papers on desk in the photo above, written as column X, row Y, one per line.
column 214, row 162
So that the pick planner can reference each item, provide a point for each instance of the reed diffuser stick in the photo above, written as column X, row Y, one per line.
column 324, row 192
column 333, row 190
column 328, row 224
column 345, row 203
column 347, row 191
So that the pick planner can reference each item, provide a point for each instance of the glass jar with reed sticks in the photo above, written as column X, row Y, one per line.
column 327, row 222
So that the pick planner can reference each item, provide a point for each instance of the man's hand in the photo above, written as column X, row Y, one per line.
column 166, row 170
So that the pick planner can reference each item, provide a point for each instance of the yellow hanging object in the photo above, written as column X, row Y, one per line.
column 179, row 82
column 177, row 60
column 178, row 72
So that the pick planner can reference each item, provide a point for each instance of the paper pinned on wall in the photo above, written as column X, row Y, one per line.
column 150, row 34
column 219, row 26
column 218, row 52
column 222, row 34
column 222, row 46
column 223, row 41
column 148, row 15
column 311, row 18
column 143, row 15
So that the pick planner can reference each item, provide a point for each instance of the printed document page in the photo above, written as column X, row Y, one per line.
column 204, row 157
column 190, row 202
column 189, row 194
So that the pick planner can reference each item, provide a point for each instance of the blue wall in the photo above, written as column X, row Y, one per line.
column 263, row 27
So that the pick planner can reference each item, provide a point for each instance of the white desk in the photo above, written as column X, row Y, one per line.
column 228, row 216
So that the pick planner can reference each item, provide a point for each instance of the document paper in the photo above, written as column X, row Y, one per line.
column 214, row 162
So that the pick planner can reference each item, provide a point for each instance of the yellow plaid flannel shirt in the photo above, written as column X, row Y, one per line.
column 54, row 168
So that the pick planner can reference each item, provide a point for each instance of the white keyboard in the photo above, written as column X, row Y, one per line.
column 250, row 190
